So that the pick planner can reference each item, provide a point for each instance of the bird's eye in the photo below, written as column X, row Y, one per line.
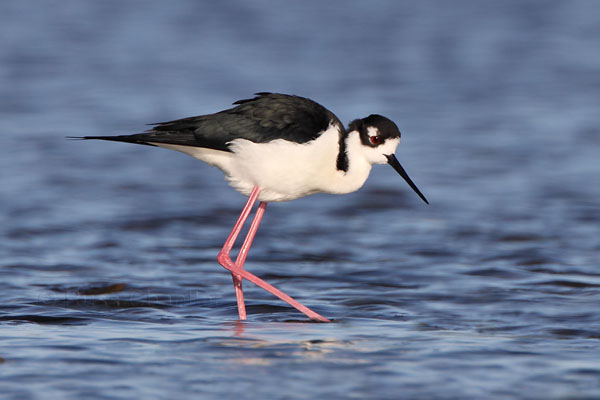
column 375, row 140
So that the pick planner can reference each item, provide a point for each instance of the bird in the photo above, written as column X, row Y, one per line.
column 277, row 147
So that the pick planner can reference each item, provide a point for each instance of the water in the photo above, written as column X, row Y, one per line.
column 109, row 284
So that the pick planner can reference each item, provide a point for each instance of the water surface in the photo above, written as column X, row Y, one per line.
column 109, row 283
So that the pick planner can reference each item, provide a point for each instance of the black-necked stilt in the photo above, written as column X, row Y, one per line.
column 277, row 147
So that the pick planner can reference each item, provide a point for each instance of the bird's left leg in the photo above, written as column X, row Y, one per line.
column 241, row 258
column 224, row 256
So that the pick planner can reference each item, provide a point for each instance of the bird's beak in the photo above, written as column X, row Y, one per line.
column 393, row 161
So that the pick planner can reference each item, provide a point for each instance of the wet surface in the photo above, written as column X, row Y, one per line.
column 108, row 274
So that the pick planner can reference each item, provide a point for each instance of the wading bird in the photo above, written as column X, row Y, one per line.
column 277, row 147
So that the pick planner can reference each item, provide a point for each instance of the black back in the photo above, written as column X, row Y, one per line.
column 264, row 118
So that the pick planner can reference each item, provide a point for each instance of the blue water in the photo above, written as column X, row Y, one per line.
column 109, row 284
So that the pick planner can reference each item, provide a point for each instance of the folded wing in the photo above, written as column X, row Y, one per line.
column 264, row 118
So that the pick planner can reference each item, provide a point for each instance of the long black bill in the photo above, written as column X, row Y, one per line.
column 393, row 161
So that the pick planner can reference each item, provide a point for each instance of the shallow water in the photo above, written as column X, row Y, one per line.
column 109, row 283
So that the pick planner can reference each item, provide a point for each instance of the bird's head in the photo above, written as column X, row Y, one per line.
column 379, row 137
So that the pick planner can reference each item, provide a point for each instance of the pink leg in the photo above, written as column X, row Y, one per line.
column 241, row 259
column 237, row 270
column 224, row 253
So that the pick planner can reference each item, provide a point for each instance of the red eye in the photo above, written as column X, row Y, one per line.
column 375, row 140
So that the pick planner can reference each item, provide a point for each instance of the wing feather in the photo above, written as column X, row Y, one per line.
column 264, row 118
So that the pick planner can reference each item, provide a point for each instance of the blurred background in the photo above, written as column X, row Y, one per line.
column 107, row 250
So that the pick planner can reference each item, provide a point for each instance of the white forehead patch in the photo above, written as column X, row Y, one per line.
column 372, row 131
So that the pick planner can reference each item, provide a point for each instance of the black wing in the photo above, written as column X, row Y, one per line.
column 266, row 117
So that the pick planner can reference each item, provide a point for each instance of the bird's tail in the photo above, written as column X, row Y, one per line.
column 137, row 138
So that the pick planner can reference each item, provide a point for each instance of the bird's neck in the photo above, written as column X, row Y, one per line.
column 356, row 167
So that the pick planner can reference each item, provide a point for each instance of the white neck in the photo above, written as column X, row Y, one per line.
column 358, row 167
